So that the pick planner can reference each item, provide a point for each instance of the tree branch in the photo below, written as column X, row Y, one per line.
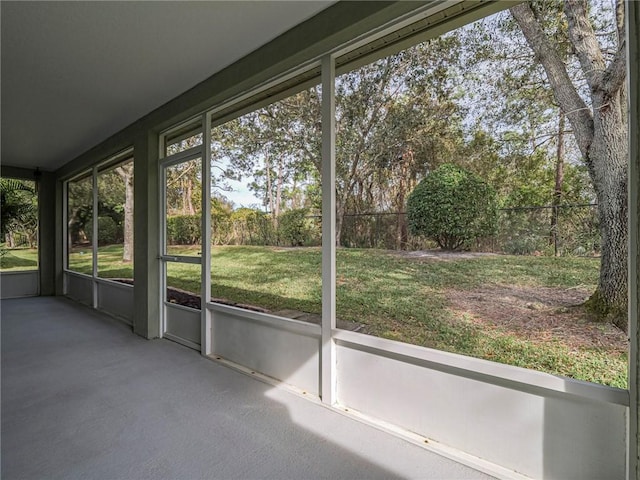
column 620, row 11
column 584, row 41
column 616, row 72
column 564, row 91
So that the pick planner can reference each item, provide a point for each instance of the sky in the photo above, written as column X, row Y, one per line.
column 241, row 196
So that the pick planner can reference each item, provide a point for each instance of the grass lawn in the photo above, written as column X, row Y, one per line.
column 16, row 259
column 110, row 264
column 443, row 304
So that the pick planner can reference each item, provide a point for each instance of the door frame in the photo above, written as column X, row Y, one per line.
column 191, row 154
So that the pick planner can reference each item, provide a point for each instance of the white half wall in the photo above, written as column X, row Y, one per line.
column 284, row 349
column 116, row 299
column 79, row 287
column 182, row 324
column 533, row 423
column 19, row 284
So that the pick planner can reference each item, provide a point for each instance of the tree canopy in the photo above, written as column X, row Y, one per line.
column 19, row 210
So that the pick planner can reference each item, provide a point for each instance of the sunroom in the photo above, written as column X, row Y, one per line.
column 257, row 224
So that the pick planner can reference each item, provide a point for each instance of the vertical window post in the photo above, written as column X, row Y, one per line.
column 65, row 228
column 328, row 354
column 205, row 335
column 94, row 234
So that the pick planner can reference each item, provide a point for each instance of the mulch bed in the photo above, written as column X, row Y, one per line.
column 180, row 297
column 174, row 295
column 188, row 299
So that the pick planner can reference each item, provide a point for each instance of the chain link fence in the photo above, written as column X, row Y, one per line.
column 15, row 239
column 563, row 230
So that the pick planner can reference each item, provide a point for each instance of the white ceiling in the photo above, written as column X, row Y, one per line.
column 75, row 73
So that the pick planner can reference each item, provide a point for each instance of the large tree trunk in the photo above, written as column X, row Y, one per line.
column 127, row 254
column 279, row 185
column 601, row 132
column 267, row 169
column 610, row 156
column 557, row 193
column 187, row 201
column 405, row 184
column 126, row 174
column 340, row 211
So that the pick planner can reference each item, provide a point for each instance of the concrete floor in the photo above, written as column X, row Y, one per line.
column 84, row 398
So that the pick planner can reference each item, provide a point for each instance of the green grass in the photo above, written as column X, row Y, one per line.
column 110, row 264
column 272, row 278
column 17, row 259
column 404, row 300
column 399, row 298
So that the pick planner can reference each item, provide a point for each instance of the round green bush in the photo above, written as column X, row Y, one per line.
column 453, row 207
column 107, row 231
column 294, row 227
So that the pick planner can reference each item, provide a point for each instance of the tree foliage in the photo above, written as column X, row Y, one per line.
column 114, row 210
column 19, row 210
column 108, row 232
column 453, row 207
column 294, row 227
column 79, row 210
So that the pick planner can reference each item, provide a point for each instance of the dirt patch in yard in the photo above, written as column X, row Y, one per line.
column 440, row 254
column 539, row 314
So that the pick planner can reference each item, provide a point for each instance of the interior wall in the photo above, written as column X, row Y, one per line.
column 47, row 225
column 17, row 172
column 146, row 249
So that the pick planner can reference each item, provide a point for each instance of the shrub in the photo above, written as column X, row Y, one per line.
column 221, row 228
column 252, row 227
column 527, row 245
column 453, row 207
column 108, row 231
column 294, row 227
column 183, row 230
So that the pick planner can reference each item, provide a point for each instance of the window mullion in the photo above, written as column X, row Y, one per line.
column 205, row 337
column 94, row 234
column 328, row 354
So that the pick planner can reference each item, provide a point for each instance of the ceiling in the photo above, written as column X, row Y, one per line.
column 75, row 73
